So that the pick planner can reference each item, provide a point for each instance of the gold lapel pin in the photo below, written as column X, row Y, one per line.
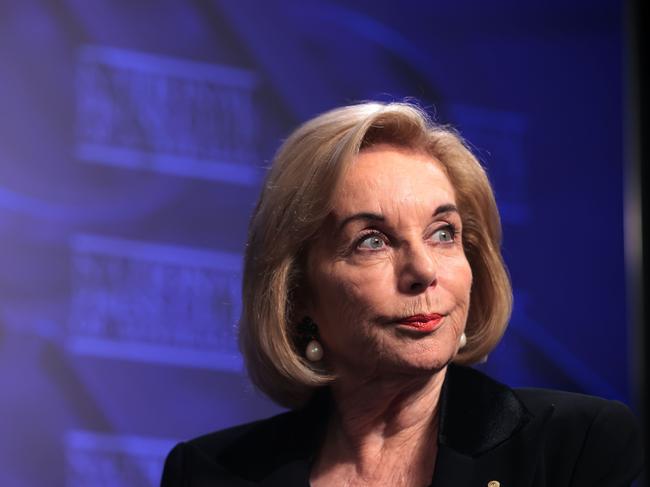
column 494, row 483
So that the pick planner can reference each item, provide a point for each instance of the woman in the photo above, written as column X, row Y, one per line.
column 372, row 275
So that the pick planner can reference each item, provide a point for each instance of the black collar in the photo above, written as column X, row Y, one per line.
column 477, row 414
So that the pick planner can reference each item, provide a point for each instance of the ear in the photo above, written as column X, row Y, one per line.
column 304, row 301
column 301, row 296
column 300, row 309
column 299, row 306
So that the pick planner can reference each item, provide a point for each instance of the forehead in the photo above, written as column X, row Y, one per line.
column 386, row 176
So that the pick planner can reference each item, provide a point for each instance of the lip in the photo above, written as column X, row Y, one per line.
column 425, row 323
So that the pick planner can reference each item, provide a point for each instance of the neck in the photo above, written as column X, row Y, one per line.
column 375, row 420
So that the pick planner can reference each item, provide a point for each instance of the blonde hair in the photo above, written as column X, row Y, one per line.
column 293, row 206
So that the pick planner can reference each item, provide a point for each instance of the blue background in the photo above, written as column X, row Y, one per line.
column 133, row 140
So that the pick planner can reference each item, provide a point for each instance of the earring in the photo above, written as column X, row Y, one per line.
column 309, row 330
column 314, row 351
column 462, row 341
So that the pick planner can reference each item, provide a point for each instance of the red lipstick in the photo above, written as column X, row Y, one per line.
column 422, row 323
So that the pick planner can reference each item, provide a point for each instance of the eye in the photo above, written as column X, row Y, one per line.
column 445, row 234
column 371, row 242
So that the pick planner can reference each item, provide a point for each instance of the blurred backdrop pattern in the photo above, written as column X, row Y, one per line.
column 134, row 137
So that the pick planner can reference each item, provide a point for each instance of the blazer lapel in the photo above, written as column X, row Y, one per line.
column 486, row 433
column 511, row 463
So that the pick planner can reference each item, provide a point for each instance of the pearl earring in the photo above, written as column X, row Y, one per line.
column 462, row 341
column 314, row 351
column 309, row 330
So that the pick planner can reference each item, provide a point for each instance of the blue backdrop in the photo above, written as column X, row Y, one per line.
column 133, row 140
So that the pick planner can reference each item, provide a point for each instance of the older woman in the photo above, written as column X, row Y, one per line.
column 373, row 273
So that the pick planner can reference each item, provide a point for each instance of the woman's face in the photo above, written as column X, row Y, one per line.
column 389, row 282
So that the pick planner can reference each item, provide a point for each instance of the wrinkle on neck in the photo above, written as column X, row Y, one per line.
column 387, row 425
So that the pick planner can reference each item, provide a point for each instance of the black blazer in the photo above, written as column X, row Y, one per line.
column 488, row 432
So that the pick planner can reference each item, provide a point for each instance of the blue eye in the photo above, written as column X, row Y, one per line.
column 445, row 234
column 372, row 242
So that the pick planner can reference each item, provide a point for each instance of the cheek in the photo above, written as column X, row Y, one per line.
column 345, row 288
column 346, row 297
column 458, row 279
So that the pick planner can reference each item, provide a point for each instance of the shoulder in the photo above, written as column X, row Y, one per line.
column 577, row 439
column 599, row 438
column 579, row 411
column 226, row 457
column 219, row 443
column 571, row 412
column 222, row 452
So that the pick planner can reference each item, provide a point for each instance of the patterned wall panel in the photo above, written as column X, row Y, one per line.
column 153, row 302
column 171, row 115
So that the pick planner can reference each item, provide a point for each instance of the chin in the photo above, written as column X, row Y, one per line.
column 420, row 364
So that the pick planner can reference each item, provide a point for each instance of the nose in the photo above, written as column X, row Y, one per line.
column 417, row 270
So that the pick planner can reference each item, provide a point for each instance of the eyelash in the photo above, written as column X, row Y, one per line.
column 450, row 227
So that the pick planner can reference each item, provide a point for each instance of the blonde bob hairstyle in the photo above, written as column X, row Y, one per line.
column 293, row 206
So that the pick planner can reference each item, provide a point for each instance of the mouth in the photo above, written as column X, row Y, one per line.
column 424, row 323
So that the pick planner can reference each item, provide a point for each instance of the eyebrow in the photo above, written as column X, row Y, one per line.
column 448, row 208
column 376, row 217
